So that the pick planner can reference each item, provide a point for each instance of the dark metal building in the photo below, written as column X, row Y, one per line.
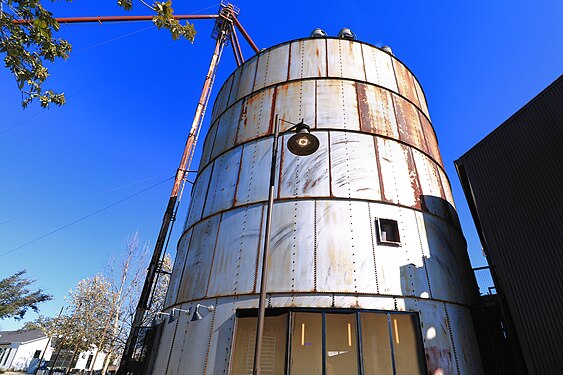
column 513, row 182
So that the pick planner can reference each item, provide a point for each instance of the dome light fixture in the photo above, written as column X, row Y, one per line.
column 303, row 143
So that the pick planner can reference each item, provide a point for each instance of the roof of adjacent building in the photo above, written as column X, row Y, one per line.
column 21, row 336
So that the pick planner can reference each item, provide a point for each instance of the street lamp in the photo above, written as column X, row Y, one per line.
column 302, row 143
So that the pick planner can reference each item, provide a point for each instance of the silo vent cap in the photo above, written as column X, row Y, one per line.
column 387, row 49
column 318, row 33
column 346, row 33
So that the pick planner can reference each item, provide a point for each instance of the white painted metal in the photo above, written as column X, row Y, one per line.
column 305, row 176
column 222, row 187
column 379, row 68
column 337, row 106
column 234, row 264
column 345, row 60
column 272, row 67
column 353, row 165
column 378, row 159
column 295, row 101
column 308, row 59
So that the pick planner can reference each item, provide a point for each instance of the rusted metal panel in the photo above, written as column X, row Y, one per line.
column 436, row 337
column 165, row 346
column 292, row 254
column 464, row 340
column 198, row 262
column 405, row 82
column 410, row 130
column 208, row 146
column 440, row 259
column 221, row 337
column 233, row 270
column 191, row 358
column 449, row 198
column 304, row 176
column 227, row 130
column 222, row 99
column 377, row 114
column 400, row 269
column 433, row 199
column 376, row 303
column 379, row 68
column 253, row 183
column 354, row 166
column 295, row 102
column 345, row 59
column 199, row 192
column 345, row 260
column 431, row 141
column 223, row 183
column 312, row 300
column 421, row 98
column 246, row 82
column 177, row 270
column 272, row 67
column 308, row 59
column 234, row 87
column 256, row 116
column 397, row 174
column 337, row 105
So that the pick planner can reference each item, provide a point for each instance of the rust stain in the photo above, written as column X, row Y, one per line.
column 439, row 361
column 431, row 141
column 366, row 118
column 413, row 176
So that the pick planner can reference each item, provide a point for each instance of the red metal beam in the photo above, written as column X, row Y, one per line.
column 245, row 34
column 125, row 18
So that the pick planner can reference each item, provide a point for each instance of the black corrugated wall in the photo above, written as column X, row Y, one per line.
column 513, row 180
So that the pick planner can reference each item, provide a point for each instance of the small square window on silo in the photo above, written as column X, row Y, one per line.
column 388, row 232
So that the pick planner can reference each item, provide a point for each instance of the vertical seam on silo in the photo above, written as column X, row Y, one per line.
column 210, row 337
column 451, row 337
column 243, row 231
column 418, row 188
column 289, row 60
column 239, row 120
column 329, row 152
column 395, row 74
column 258, row 249
column 363, row 62
column 315, row 115
column 293, row 250
column 184, row 267
column 255, row 73
column 423, row 255
column 238, row 178
column 379, row 172
column 371, row 224
column 213, row 254
column 374, row 52
column 171, row 347
column 207, row 191
column 315, row 245
column 326, row 57
column 301, row 58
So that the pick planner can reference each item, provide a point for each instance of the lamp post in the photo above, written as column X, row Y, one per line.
column 302, row 143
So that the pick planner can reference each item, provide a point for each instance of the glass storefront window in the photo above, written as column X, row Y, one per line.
column 408, row 357
column 274, row 345
column 341, row 344
column 376, row 345
column 333, row 342
column 306, row 344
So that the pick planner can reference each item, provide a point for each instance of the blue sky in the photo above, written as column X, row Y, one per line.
column 131, row 94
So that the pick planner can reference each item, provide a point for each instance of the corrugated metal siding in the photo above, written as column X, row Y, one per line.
column 516, row 180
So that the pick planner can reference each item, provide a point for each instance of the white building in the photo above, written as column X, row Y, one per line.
column 18, row 348
column 24, row 348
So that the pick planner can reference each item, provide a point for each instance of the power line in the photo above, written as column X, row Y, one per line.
column 62, row 204
column 85, row 217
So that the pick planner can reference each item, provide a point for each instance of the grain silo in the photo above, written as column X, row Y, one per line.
column 368, row 271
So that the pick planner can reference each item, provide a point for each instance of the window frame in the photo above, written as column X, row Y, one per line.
column 387, row 242
column 243, row 312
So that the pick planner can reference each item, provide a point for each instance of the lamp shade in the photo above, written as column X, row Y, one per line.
column 303, row 143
